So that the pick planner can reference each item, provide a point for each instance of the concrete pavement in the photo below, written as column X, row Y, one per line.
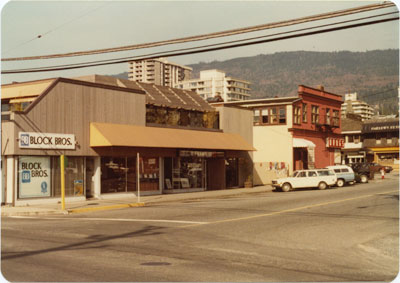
column 106, row 204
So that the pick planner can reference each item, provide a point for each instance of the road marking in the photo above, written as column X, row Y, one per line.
column 287, row 210
column 115, row 219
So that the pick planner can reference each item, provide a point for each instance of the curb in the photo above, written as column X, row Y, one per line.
column 34, row 213
column 150, row 202
column 109, row 207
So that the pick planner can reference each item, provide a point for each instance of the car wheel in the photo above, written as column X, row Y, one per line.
column 363, row 179
column 286, row 187
column 322, row 186
column 340, row 183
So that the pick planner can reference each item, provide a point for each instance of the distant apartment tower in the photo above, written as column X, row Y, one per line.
column 158, row 71
column 213, row 83
column 352, row 105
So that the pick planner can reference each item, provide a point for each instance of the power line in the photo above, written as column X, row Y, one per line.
column 56, row 28
column 215, row 34
column 373, row 94
column 57, row 68
column 164, row 53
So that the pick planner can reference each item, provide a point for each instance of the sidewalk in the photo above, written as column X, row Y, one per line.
column 106, row 204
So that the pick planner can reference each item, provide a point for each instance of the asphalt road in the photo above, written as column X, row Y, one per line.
column 344, row 234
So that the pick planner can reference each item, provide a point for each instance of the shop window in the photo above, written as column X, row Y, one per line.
column 5, row 107
column 274, row 115
column 149, row 173
column 187, row 172
column 172, row 117
column 184, row 118
column 34, row 177
column 196, row 119
column 256, row 117
column 114, row 171
column 335, row 118
column 161, row 115
column 389, row 138
column 378, row 138
column 265, row 116
column 296, row 115
column 131, row 174
column 328, row 116
column 151, row 114
column 351, row 138
column 304, row 113
column 314, row 114
column 74, row 176
column 270, row 115
column 282, row 116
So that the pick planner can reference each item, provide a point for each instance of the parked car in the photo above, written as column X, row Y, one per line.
column 316, row 178
column 362, row 172
column 388, row 169
column 376, row 167
column 345, row 174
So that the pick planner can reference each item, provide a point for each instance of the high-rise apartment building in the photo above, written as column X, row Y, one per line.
column 214, row 83
column 158, row 71
column 352, row 105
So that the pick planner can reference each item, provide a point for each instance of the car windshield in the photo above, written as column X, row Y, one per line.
column 295, row 173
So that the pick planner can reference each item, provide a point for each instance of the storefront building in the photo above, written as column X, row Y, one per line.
column 381, row 139
column 353, row 150
column 316, row 119
column 101, row 124
column 292, row 133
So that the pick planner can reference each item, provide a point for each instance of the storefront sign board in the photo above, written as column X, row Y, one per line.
column 46, row 140
column 190, row 153
column 335, row 142
column 34, row 176
column 381, row 127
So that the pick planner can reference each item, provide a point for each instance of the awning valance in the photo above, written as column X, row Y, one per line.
column 302, row 143
column 105, row 135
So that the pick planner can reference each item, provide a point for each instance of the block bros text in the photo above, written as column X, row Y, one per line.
column 35, row 168
column 50, row 140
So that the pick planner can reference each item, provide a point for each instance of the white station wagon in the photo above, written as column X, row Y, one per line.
column 316, row 178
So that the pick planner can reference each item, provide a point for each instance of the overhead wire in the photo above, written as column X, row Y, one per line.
column 55, row 28
column 318, row 17
column 163, row 53
column 180, row 53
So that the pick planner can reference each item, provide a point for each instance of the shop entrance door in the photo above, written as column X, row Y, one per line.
column 300, row 157
column 232, row 172
column 216, row 174
column 89, row 177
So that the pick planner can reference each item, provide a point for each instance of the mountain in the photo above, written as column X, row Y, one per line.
column 374, row 75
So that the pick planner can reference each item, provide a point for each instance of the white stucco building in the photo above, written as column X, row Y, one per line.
column 353, row 105
column 214, row 83
column 158, row 71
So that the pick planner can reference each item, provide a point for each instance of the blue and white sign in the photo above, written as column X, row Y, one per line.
column 34, row 176
column 46, row 140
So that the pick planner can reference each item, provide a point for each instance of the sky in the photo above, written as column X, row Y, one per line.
column 31, row 28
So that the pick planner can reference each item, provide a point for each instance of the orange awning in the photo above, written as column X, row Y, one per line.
column 104, row 135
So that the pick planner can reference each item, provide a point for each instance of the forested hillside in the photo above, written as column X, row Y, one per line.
column 374, row 75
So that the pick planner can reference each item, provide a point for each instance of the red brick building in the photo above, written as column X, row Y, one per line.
column 316, row 119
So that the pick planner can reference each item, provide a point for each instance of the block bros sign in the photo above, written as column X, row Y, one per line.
column 46, row 140
column 34, row 176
